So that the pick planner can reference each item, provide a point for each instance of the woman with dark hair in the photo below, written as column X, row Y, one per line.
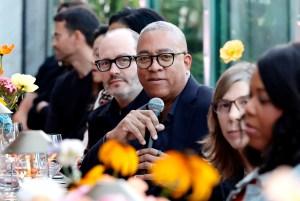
column 222, row 146
column 134, row 19
column 272, row 119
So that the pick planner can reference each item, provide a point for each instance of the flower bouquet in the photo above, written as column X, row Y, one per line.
column 11, row 89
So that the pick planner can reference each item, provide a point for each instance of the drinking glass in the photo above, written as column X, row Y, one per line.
column 54, row 165
column 55, row 138
column 31, row 166
column 8, row 178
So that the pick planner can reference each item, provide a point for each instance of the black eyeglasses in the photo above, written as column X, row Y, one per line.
column 121, row 62
column 164, row 59
column 223, row 106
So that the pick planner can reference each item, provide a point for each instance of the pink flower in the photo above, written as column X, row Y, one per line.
column 78, row 194
column 113, row 197
column 7, row 85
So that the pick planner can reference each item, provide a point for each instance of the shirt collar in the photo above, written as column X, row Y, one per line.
column 140, row 100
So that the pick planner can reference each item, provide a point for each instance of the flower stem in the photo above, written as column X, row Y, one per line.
column 115, row 174
column 165, row 193
column 1, row 69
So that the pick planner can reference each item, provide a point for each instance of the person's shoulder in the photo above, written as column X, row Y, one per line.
column 195, row 84
column 67, row 76
column 49, row 61
column 49, row 64
column 205, row 89
column 99, row 111
column 197, row 89
column 63, row 81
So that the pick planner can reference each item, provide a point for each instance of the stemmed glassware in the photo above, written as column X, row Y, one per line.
column 54, row 165
column 8, row 179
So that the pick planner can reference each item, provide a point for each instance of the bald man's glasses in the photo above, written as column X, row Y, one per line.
column 121, row 62
column 164, row 60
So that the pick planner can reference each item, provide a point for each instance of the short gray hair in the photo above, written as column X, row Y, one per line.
column 134, row 34
column 167, row 26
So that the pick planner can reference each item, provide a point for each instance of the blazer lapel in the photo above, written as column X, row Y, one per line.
column 183, row 115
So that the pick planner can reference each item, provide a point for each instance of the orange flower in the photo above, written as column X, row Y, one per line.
column 172, row 172
column 232, row 51
column 205, row 177
column 5, row 49
column 92, row 176
column 179, row 174
column 122, row 158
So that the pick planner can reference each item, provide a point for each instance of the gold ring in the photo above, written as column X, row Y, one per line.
column 158, row 153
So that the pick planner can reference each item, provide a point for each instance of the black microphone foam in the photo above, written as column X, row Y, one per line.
column 157, row 106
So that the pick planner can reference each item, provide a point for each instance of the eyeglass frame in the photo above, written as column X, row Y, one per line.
column 152, row 56
column 114, row 61
column 215, row 104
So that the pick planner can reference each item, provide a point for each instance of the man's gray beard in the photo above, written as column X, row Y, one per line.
column 130, row 92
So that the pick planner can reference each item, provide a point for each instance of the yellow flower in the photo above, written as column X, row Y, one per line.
column 172, row 172
column 5, row 49
column 24, row 82
column 3, row 102
column 205, row 177
column 232, row 51
column 92, row 176
column 122, row 158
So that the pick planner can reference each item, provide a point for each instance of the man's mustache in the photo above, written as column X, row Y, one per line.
column 117, row 76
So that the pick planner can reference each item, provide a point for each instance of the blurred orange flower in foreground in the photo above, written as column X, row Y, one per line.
column 92, row 176
column 122, row 158
column 204, row 178
column 173, row 173
column 184, row 176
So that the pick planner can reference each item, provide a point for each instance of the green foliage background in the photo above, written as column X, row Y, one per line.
column 186, row 14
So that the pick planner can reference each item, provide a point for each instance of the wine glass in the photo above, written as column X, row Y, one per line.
column 55, row 138
column 54, row 165
column 8, row 178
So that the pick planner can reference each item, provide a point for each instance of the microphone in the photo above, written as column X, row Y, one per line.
column 157, row 106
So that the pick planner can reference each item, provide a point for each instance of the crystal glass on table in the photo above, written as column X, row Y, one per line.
column 8, row 177
column 54, row 165
column 31, row 148
column 31, row 166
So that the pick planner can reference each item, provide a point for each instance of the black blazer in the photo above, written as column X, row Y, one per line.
column 190, row 117
column 189, row 124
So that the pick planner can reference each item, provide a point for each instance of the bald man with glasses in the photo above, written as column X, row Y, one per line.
column 119, row 77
